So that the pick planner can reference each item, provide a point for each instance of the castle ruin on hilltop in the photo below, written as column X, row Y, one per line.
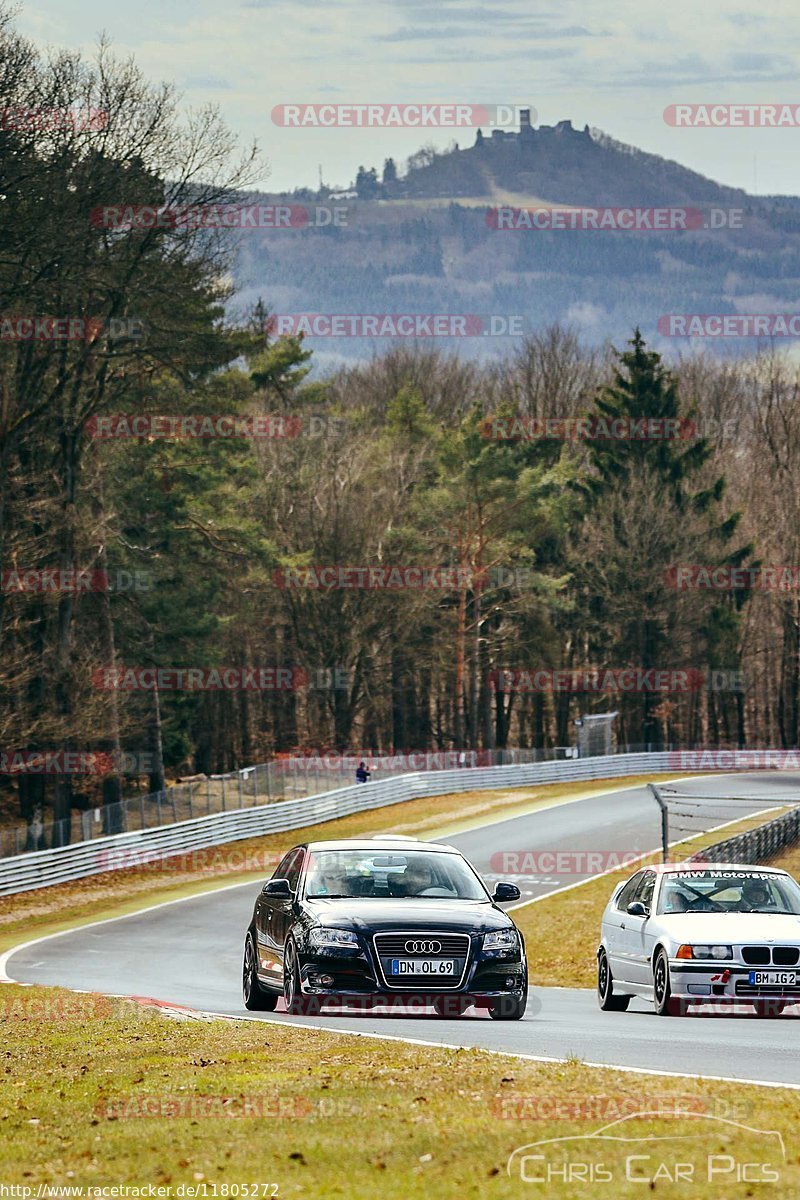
column 527, row 134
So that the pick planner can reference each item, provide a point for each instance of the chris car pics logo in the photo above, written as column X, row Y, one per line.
column 699, row 1148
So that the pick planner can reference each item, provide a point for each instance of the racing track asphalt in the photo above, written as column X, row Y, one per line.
column 189, row 953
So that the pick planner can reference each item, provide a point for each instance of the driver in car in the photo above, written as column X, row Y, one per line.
column 417, row 878
column 676, row 901
column 755, row 896
column 328, row 880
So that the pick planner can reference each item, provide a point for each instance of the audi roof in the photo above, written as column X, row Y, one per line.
column 384, row 842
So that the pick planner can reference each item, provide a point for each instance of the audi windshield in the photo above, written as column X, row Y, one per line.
column 375, row 874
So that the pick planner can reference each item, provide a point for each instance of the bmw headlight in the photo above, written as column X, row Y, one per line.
column 500, row 939
column 332, row 937
column 705, row 952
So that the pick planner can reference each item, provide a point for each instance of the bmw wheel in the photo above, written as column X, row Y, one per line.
column 666, row 1005
column 605, row 987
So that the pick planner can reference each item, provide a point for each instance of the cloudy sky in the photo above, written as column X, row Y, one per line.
column 616, row 67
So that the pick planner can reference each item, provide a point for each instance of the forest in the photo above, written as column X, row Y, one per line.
column 213, row 553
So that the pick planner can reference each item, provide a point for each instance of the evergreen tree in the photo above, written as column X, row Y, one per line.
column 650, row 505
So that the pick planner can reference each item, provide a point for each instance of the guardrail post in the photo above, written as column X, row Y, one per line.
column 223, row 794
column 255, row 787
column 664, row 821
column 191, row 809
column 241, row 799
column 208, row 793
column 141, row 810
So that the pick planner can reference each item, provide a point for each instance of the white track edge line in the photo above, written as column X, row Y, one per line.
column 543, row 1058
column 6, row 956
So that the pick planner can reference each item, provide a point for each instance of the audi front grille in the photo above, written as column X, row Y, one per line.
column 454, row 946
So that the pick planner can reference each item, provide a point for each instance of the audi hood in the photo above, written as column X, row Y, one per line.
column 375, row 916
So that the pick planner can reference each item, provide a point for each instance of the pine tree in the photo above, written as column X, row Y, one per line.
column 650, row 505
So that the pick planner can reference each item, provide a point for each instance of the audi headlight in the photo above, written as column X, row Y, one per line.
column 500, row 939
column 705, row 952
column 332, row 937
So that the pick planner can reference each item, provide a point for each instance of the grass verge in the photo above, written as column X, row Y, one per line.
column 788, row 860
column 99, row 1093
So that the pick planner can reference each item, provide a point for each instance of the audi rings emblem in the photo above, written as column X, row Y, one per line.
column 423, row 947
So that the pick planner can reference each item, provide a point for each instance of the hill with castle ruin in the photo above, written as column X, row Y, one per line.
column 424, row 240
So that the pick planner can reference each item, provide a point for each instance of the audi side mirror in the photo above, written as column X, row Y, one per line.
column 279, row 888
column 505, row 891
column 636, row 909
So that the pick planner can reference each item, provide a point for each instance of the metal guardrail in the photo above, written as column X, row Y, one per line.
column 42, row 868
column 755, row 845
column 288, row 778
column 285, row 778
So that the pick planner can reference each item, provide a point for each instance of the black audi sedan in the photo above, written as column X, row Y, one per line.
column 386, row 921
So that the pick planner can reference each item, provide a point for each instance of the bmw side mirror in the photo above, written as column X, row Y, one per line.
column 505, row 891
column 636, row 909
column 279, row 888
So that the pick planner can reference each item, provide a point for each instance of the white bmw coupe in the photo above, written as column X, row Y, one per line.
column 697, row 934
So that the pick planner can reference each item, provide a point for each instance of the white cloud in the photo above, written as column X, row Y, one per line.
column 614, row 68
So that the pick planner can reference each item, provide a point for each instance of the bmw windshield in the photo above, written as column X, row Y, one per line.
column 729, row 891
column 390, row 875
